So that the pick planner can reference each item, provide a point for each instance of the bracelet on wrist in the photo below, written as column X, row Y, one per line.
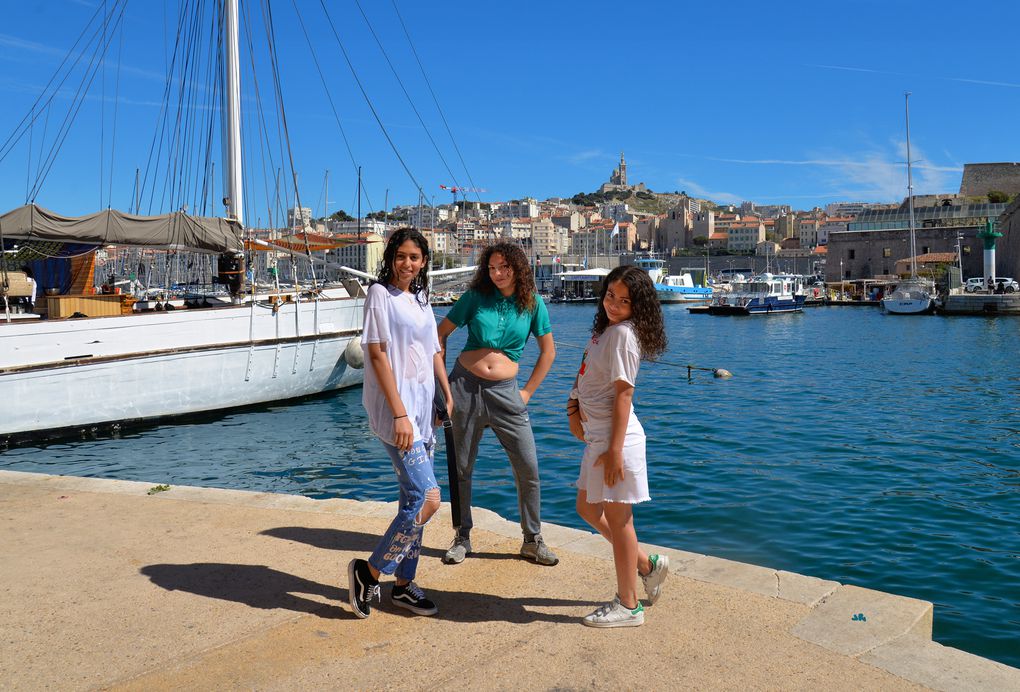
column 399, row 417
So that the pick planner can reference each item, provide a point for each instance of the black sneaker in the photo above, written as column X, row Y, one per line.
column 411, row 597
column 361, row 588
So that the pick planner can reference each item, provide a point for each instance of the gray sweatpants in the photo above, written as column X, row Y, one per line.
column 479, row 402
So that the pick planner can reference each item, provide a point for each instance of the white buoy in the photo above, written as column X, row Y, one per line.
column 354, row 354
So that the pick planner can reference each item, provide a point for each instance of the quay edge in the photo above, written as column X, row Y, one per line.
column 207, row 587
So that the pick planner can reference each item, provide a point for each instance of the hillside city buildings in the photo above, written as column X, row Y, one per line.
column 850, row 240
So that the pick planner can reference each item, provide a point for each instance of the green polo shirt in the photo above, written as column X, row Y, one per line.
column 493, row 321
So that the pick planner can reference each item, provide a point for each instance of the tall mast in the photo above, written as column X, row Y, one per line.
column 910, row 192
column 232, row 113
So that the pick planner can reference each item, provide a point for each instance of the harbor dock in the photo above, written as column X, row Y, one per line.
column 125, row 585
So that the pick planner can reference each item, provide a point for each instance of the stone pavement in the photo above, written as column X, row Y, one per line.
column 105, row 586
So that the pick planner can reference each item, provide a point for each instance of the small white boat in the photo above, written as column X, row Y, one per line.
column 910, row 297
column 673, row 288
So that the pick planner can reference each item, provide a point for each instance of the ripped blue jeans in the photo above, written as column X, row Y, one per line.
column 398, row 551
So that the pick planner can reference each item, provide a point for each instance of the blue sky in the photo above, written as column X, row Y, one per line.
column 789, row 102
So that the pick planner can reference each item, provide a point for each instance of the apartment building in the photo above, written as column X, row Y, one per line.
column 745, row 235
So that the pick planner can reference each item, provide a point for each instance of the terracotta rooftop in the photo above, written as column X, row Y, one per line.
column 937, row 257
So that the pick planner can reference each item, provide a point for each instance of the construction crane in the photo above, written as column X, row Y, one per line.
column 455, row 189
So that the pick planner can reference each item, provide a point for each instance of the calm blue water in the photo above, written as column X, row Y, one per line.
column 850, row 445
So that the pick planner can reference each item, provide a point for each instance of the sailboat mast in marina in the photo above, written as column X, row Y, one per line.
column 97, row 361
column 914, row 296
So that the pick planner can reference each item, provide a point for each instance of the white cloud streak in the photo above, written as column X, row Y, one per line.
column 984, row 82
column 697, row 190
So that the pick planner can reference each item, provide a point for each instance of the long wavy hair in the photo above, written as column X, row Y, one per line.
column 524, row 277
column 420, row 283
column 645, row 311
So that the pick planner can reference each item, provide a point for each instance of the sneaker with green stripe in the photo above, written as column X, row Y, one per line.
column 615, row 614
column 653, row 580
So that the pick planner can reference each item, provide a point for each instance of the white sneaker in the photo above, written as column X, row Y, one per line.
column 615, row 614
column 653, row 580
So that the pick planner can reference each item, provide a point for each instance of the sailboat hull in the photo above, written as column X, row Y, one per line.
column 911, row 297
column 896, row 306
column 60, row 375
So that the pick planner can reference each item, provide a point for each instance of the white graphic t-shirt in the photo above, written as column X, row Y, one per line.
column 408, row 329
column 613, row 355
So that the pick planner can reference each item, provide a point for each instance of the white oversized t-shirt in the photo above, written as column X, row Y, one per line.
column 408, row 329
column 613, row 355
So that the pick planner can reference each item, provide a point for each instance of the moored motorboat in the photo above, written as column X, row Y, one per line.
column 678, row 288
column 764, row 294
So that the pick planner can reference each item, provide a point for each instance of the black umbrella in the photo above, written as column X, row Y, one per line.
column 439, row 403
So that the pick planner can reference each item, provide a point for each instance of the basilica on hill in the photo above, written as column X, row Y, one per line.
column 618, row 180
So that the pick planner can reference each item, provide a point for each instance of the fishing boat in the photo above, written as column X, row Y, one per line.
column 913, row 296
column 764, row 294
column 97, row 362
column 678, row 288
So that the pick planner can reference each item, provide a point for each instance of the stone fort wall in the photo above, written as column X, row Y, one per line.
column 979, row 178
column 1007, row 249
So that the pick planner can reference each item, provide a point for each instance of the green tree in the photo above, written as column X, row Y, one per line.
column 997, row 197
column 341, row 215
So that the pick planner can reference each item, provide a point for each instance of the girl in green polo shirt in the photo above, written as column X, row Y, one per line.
column 501, row 309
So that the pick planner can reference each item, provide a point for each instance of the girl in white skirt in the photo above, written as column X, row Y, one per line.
column 628, row 327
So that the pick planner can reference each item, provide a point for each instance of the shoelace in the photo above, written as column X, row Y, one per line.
column 415, row 591
column 373, row 591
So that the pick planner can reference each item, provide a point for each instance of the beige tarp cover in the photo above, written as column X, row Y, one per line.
column 170, row 231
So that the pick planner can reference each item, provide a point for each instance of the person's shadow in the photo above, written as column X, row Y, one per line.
column 259, row 586
column 336, row 539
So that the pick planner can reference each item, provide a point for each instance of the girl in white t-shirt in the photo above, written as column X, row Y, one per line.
column 628, row 327
column 404, row 365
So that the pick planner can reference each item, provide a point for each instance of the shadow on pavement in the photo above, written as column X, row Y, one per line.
column 336, row 539
column 259, row 586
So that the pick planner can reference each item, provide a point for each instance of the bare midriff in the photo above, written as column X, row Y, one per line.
column 488, row 364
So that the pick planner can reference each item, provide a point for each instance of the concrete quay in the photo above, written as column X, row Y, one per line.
column 103, row 586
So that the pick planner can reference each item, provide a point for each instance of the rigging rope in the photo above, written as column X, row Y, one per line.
column 718, row 372
column 37, row 106
column 76, row 103
column 278, row 90
column 435, row 100
column 368, row 101
column 116, row 109
column 410, row 101
column 329, row 97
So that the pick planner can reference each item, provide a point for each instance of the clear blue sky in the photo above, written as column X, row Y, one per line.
column 788, row 102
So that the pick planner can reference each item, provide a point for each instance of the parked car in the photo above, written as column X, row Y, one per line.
column 978, row 283
column 974, row 284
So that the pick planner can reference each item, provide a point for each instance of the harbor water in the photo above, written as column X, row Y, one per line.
column 872, row 450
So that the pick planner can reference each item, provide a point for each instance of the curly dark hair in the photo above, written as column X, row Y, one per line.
column 420, row 283
column 645, row 311
column 524, row 277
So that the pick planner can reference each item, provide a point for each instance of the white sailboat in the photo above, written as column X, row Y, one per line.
column 62, row 375
column 913, row 296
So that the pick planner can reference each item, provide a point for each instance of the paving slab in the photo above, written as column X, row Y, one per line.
column 106, row 587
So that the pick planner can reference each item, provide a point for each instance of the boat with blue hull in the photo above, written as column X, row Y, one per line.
column 679, row 288
column 765, row 294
